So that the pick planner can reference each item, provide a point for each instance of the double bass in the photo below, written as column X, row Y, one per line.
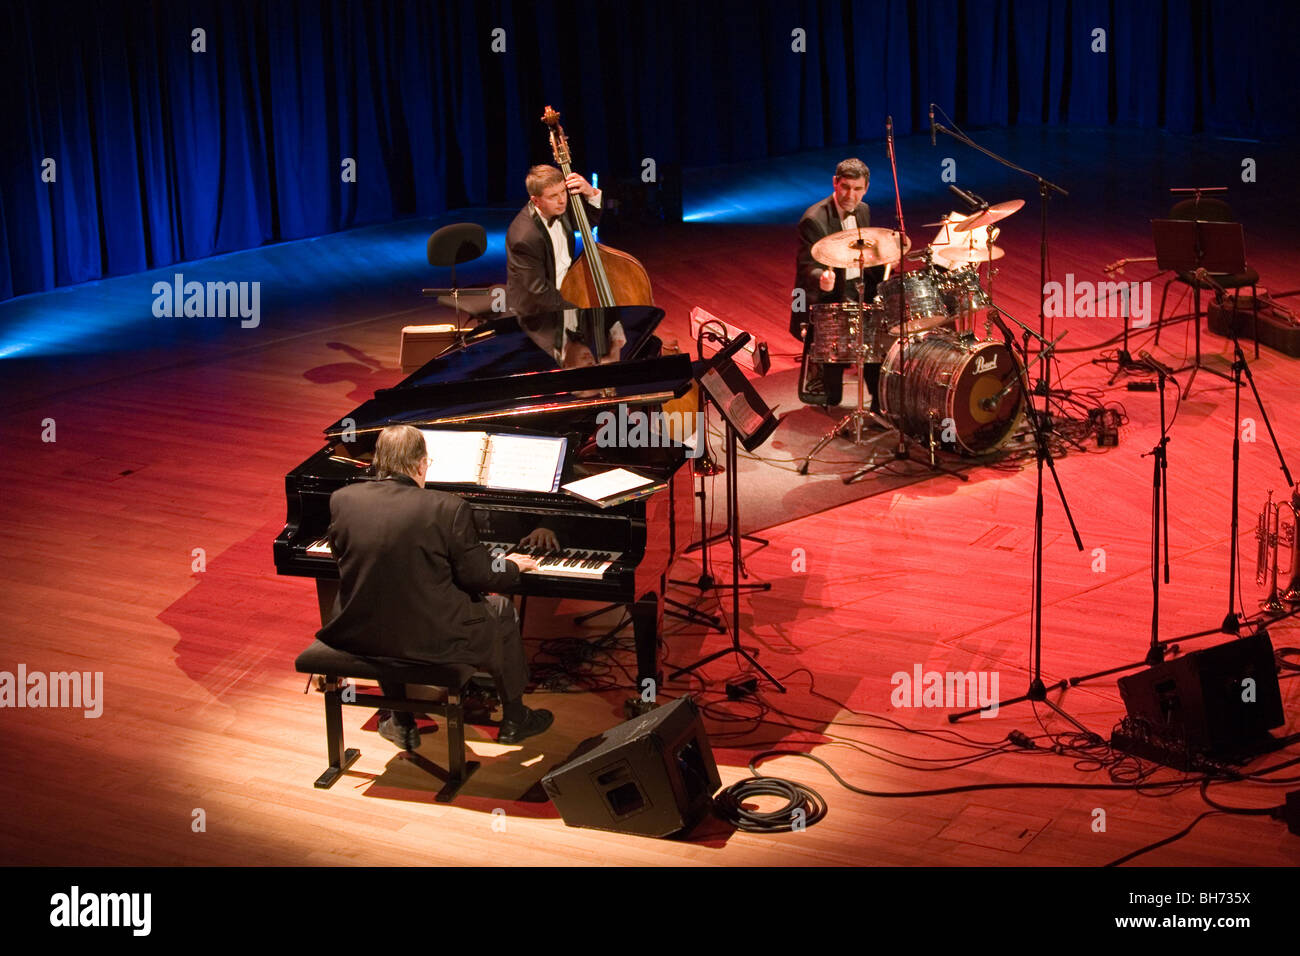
column 600, row 276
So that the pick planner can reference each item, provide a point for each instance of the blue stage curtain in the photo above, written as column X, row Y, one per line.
column 164, row 154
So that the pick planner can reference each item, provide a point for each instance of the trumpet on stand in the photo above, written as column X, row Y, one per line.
column 1273, row 534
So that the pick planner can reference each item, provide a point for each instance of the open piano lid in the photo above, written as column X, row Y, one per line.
column 515, row 367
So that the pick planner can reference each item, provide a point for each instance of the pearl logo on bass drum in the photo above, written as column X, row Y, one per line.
column 986, row 364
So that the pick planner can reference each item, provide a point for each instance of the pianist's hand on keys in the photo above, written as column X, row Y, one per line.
column 563, row 562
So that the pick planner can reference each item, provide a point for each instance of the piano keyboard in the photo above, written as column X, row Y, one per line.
column 565, row 563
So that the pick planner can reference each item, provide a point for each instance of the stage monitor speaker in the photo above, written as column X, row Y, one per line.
column 653, row 775
column 1201, row 699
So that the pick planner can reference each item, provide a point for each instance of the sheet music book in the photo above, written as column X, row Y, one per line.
column 501, row 461
column 613, row 487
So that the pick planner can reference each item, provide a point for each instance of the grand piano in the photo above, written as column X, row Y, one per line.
column 549, row 375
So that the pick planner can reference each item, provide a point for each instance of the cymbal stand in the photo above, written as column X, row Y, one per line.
column 903, row 451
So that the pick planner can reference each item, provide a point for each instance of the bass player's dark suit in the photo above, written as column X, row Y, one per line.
column 530, row 261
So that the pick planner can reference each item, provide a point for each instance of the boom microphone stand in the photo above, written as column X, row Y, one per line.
column 1045, row 189
column 1037, row 689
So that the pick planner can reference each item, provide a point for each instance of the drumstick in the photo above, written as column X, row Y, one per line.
column 888, row 267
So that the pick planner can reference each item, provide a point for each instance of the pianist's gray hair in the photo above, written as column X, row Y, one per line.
column 852, row 169
column 398, row 451
column 540, row 178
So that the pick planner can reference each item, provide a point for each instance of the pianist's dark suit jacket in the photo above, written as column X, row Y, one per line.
column 412, row 575
column 822, row 219
column 530, row 263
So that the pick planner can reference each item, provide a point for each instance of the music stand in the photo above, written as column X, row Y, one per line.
column 749, row 421
column 1188, row 245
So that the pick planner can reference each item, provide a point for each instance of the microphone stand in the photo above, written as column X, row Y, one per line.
column 1045, row 189
column 1037, row 689
column 1159, row 522
column 1232, row 623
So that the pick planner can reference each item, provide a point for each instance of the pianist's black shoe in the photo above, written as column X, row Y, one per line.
column 534, row 722
column 394, row 728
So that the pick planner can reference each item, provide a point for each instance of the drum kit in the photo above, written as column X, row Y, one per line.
column 941, row 383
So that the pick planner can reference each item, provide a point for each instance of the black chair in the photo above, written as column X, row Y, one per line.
column 449, row 247
column 1206, row 210
column 335, row 665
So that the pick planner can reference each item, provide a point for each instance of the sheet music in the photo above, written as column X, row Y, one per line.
column 607, row 484
column 455, row 457
column 524, row 462
column 739, row 412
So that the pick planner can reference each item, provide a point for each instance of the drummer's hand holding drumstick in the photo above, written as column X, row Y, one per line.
column 827, row 280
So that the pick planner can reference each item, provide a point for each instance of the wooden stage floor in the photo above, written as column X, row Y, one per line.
column 99, row 571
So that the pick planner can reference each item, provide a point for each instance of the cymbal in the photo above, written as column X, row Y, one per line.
column 840, row 250
column 968, row 254
column 991, row 215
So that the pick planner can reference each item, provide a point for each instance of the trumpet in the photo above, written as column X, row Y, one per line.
column 1275, row 530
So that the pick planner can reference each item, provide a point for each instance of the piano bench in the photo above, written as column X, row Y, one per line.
column 335, row 666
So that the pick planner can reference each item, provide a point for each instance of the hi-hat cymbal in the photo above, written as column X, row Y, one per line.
column 991, row 215
column 841, row 250
column 967, row 253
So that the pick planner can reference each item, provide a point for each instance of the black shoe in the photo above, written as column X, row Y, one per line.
column 406, row 736
column 534, row 722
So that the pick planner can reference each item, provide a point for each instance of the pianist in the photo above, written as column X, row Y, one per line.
column 539, row 243
column 413, row 585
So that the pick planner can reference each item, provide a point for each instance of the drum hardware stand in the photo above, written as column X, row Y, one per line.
column 859, row 414
column 1037, row 689
column 902, row 452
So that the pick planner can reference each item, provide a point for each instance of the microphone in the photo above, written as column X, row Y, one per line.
column 931, row 124
column 964, row 196
column 889, row 128
column 731, row 348
column 1156, row 364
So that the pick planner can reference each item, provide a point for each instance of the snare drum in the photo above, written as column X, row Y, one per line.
column 950, row 380
column 835, row 328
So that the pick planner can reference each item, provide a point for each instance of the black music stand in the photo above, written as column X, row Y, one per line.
column 1189, row 245
column 749, row 421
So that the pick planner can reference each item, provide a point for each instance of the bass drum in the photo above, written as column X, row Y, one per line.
column 948, row 382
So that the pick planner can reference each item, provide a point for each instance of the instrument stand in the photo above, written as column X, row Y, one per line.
column 1045, row 188
column 1159, row 523
column 1232, row 623
column 903, row 451
column 1037, row 689
column 733, row 532
column 705, row 467
column 1176, row 248
column 854, row 420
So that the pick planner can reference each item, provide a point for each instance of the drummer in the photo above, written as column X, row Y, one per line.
column 822, row 383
